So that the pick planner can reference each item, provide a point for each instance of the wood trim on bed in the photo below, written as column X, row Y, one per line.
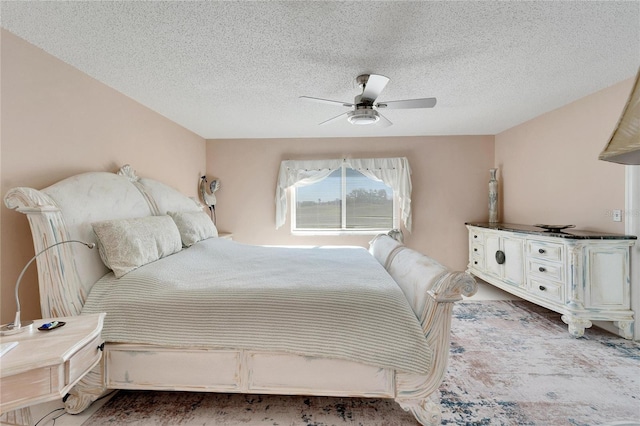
column 61, row 292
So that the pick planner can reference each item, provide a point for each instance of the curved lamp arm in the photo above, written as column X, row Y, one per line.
column 17, row 325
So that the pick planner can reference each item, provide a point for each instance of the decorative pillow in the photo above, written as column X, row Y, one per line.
column 127, row 244
column 193, row 226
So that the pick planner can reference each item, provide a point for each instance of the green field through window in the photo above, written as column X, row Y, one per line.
column 368, row 203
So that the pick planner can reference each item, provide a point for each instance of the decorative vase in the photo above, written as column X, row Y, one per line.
column 493, row 196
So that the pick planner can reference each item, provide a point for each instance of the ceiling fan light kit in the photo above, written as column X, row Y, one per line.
column 365, row 108
column 363, row 116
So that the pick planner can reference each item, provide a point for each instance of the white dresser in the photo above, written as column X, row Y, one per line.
column 582, row 275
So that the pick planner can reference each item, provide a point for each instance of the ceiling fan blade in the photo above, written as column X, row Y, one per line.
column 327, row 101
column 374, row 86
column 409, row 103
column 384, row 121
column 336, row 118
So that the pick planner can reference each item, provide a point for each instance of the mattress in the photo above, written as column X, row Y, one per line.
column 315, row 301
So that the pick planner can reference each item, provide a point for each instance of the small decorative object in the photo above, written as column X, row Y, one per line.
column 554, row 228
column 209, row 198
column 18, row 326
column 493, row 196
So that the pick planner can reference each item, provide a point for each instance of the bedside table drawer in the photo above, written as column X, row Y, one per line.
column 82, row 361
column 14, row 392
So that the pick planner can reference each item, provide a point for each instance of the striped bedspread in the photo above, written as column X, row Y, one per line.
column 326, row 302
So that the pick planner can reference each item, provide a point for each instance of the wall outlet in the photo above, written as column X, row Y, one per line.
column 617, row 215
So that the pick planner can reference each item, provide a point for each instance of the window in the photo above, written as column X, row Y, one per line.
column 344, row 195
column 346, row 200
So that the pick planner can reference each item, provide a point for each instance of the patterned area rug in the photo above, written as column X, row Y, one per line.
column 512, row 363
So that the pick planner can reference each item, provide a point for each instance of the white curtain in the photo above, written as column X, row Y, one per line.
column 394, row 172
column 301, row 173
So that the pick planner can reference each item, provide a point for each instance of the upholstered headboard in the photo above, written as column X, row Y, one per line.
column 66, row 210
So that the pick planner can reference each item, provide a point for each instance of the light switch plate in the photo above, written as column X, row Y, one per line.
column 617, row 215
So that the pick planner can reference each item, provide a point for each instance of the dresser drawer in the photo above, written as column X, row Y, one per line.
column 477, row 255
column 545, row 250
column 475, row 237
column 548, row 289
column 545, row 270
column 477, row 262
column 477, row 249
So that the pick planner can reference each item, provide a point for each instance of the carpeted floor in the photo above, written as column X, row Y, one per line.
column 512, row 363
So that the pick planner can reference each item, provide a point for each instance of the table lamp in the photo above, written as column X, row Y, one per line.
column 17, row 326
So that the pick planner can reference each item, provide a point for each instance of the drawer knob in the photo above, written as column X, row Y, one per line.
column 541, row 269
column 542, row 288
column 542, row 251
column 500, row 257
column 101, row 347
column 475, row 262
column 475, row 249
column 475, row 236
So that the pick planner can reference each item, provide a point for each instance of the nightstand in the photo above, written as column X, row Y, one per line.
column 225, row 235
column 45, row 365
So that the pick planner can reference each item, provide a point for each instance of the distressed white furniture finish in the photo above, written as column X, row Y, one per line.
column 582, row 275
column 47, row 364
column 67, row 209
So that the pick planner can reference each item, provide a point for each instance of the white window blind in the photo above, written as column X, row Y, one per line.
column 367, row 187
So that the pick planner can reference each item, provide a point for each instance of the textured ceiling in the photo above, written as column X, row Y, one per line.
column 236, row 69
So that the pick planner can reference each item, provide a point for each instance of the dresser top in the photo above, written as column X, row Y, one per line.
column 570, row 233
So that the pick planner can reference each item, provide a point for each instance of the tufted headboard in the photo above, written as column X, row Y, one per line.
column 66, row 210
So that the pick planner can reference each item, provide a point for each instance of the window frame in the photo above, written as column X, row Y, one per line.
column 395, row 222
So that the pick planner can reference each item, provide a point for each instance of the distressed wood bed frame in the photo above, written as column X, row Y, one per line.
column 66, row 273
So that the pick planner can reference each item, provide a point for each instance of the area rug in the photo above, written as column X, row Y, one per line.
column 512, row 363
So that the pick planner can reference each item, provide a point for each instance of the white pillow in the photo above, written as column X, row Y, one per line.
column 193, row 226
column 127, row 244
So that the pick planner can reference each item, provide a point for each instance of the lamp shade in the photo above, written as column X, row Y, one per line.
column 624, row 145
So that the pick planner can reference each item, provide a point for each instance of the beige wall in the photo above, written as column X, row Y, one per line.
column 56, row 122
column 450, row 176
column 549, row 167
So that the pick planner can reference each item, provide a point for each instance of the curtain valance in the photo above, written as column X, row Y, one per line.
column 393, row 172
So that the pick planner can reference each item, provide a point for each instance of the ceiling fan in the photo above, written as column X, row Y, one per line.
column 365, row 107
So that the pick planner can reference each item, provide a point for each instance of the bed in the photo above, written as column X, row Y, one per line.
column 210, row 314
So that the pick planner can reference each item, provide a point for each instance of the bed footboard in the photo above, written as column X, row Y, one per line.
column 414, row 393
column 431, row 290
